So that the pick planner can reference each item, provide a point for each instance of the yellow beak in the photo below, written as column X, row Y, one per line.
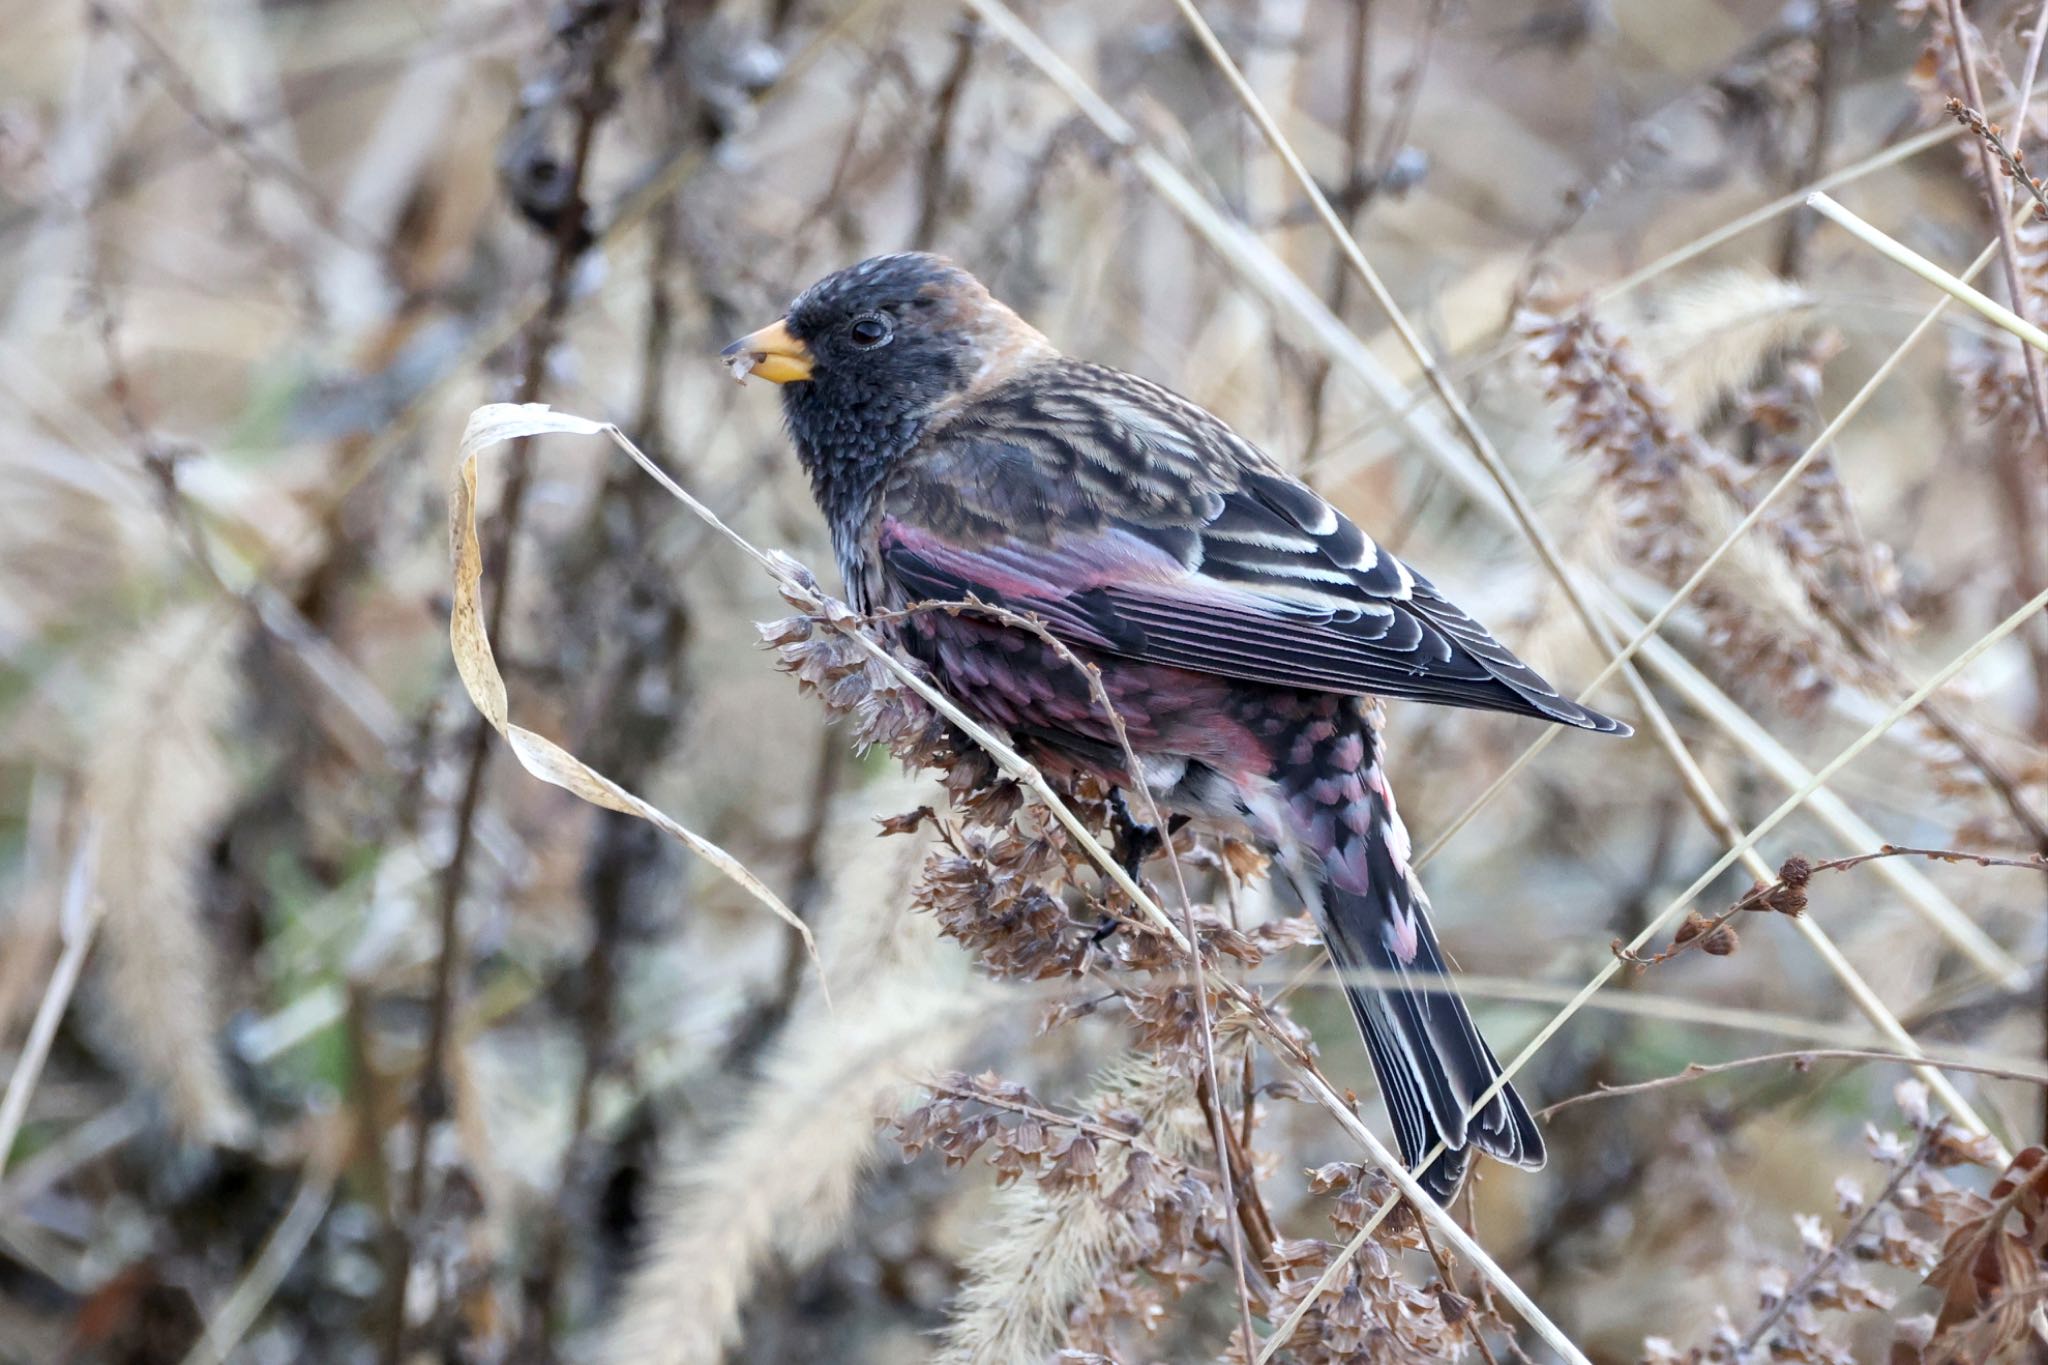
column 772, row 353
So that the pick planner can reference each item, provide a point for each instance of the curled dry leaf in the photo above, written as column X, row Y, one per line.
column 1991, row 1270
column 491, row 425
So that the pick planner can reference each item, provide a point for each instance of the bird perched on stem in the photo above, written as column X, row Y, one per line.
column 1239, row 621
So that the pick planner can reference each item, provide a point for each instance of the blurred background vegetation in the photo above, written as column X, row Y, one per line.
column 333, row 1036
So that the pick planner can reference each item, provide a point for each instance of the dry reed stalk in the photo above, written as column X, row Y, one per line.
column 159, row 782
column 780, row 1181
column 1901, row 254
column 1049, row 1252
column 1772, row 756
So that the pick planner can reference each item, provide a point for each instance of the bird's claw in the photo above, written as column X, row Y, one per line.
column 1135, row 840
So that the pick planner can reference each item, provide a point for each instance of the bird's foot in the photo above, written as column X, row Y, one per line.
column 1135, row 840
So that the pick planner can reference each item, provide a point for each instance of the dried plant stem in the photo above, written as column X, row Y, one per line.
column 1475, row 363
column 2001, row 206
column 1211, row 1092
column 1722, row 821
column 497, row 331
column 1954, row 925
column 1869, row 737
column 1832, row 40
column 1796, row 1292
column 1695, row 1071
column 1049, row 1248
column 932, row 182
column 2029, row 69
column 1473, row 1321
column 2011, row 162
column 1918, row 892
column 1762, row 896
column 1706, row 242
column 77, row 922
column 800, row 587
column 1639, row 1004
column 591, row 101
column 1901, row 254
column 938, row 1084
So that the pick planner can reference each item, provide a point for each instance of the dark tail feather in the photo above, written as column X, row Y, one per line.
column 1431, row 1062
column 1348, row 855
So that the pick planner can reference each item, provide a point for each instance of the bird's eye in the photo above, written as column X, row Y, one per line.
column 869, row 330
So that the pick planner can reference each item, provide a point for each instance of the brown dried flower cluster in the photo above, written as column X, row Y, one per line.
column 1675, row 495
column 1716, row 937
column 1983, row 1253
column 1613, row 415
column 2011, row 162
column 1994, row 375
column 1373, row 1313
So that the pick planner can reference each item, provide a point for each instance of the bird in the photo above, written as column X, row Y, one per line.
column 1243, row 627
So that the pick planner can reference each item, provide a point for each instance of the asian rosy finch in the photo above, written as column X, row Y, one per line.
column 1238, row 619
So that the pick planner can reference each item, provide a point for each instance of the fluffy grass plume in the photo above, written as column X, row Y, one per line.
column 1049, row 1250
column 780, row 1181
column 160, row 784
column 1708, row 336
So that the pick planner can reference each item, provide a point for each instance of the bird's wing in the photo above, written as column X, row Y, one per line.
column 1151, row 531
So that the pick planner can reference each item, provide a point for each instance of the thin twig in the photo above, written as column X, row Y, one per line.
column 939, row 1085
column 1797, row 1292
column 1834, row 27
column 1944, row 916
column 1700, row 1070
column 1443, row 1273
column 592, row 100
column 2001, row 207
column 1792, row 878
column 2010, row 161
column 1848, row 175
column 932, row 175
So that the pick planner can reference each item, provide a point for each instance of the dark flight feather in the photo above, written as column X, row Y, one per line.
column 1147, row 528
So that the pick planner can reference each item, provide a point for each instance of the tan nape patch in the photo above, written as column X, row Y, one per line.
column 1003, row 342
